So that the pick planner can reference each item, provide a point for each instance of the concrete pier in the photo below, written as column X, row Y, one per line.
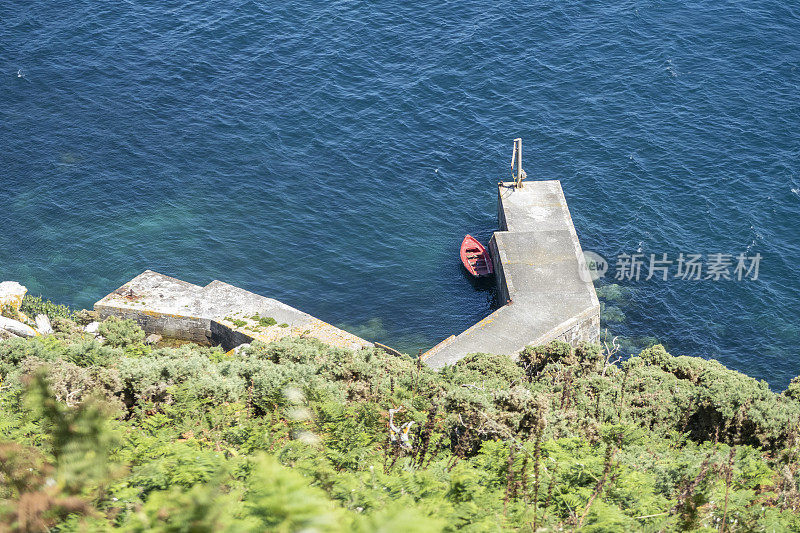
column 539, row 268
column 540, row 273
column 218, row 313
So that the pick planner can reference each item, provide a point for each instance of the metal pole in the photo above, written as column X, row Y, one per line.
column 518, row 158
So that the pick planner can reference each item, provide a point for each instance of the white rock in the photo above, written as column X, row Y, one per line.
column 240, row 348
column 43, row 325
column 11, row 295
column 16, row 327
column 8, row 288
column 5, row 335
column 92, row 327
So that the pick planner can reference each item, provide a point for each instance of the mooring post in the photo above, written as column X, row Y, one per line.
column 517, row 157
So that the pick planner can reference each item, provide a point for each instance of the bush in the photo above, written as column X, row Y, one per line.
column 36, row 305
column 535, row 358
column 120, row 332
column 294, row 435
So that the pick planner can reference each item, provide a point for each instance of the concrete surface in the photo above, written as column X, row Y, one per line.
column 538, row 264
column 218, row 313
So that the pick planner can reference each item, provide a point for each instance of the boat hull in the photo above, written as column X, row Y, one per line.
column 476, row 258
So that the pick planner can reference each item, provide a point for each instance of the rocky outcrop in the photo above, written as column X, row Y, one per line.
column 13, row 322
column 16, row 327
column 43, row 325
column 11, row 295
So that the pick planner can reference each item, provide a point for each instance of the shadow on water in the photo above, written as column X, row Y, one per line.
column 485, row 285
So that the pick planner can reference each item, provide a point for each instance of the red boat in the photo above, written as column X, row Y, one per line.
column 476, row 259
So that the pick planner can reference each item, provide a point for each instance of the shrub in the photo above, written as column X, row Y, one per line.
column 534, row 358
column 120, row 332
column 282, row 500
column 498, row 369
column 73, row 384
column 36, row 305
column 294, row 434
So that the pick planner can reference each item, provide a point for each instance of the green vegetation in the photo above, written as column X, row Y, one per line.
column 36, row 305
column 264, row 320
column 292, row 436
column 238, row 322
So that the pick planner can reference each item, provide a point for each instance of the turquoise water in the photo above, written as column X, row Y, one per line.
column 334, row 155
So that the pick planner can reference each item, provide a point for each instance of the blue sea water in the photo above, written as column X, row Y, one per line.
column 333, row 155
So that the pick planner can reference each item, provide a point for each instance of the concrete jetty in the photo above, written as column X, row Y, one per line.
column 218, row 313
column 539, row 269
column 540, row 273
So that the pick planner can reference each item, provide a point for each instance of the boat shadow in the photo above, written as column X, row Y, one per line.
column 485, row 285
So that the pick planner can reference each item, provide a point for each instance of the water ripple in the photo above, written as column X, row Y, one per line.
column 334, row 156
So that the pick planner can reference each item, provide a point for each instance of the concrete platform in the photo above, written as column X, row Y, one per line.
column 218, row 313
column 538, row 264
